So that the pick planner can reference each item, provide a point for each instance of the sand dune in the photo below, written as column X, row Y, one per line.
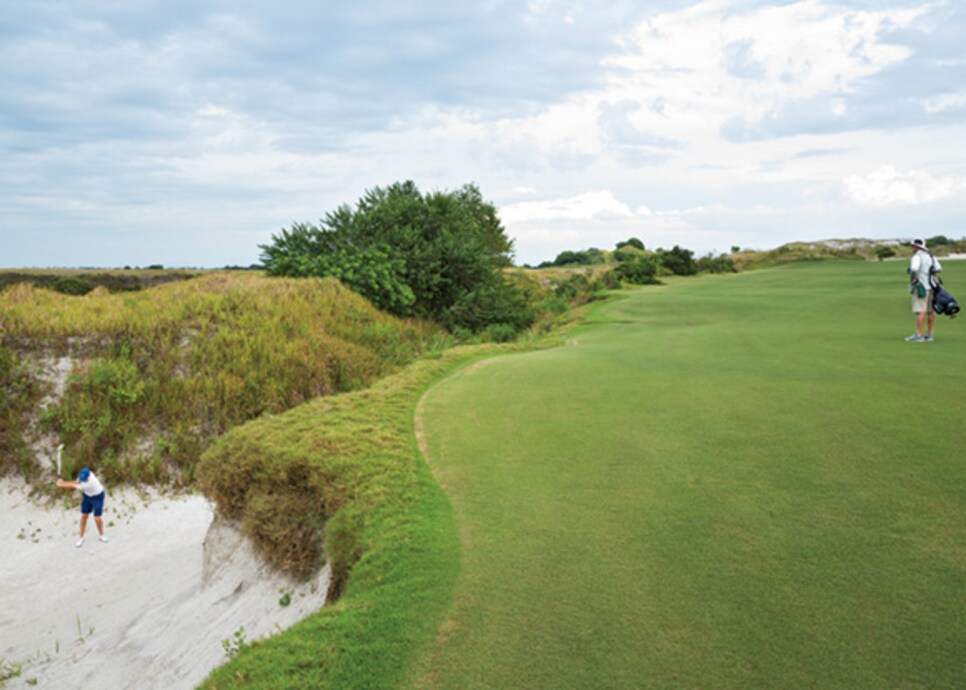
column 148, row 609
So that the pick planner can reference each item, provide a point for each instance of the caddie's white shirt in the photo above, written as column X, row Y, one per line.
column 92, row 487
column 920, row 264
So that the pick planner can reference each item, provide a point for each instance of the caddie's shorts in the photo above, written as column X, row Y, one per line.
column 921, row 304
column 95, row 503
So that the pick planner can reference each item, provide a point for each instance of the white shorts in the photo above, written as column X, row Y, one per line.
column 922, row 304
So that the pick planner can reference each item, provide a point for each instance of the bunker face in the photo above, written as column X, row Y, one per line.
column 152, row 608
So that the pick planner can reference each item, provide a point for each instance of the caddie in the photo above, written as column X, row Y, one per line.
column 922, row 266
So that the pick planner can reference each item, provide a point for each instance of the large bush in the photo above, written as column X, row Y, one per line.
column 639, row 271
column 678, row 261
column 435, row 256
column 632, row 242
column 585, row 257
column 716, row 264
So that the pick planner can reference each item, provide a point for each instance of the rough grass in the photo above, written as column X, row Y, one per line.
column 729, row 482
column 161, row 372
column 113, row 280
column 18, row 395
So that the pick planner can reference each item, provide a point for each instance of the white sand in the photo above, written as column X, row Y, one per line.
column 148, row 609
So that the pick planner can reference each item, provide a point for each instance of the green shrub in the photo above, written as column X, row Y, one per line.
column 628, row 253
column 608, row 281
column 639, row 271
column 632, row 242
column 570, row 288
column 500, row 333
column 100, row 413
column 71, row 285
column 17, row 393
column 496, row 302
column 884, row 252
column 584, row 257
column 716, row 264
column 678, row 261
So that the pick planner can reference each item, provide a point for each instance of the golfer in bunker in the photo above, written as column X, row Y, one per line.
column 93, row 500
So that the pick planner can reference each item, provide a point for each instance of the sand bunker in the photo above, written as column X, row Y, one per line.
column 149, row 609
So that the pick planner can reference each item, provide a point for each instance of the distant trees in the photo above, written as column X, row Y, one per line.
column 72, row 285
column 678, row 261
column 632, row 242
column 436, row 256
column 716, row 264
column 640, row 270
column 637, row 265
column 883, row 252
column 584, row 257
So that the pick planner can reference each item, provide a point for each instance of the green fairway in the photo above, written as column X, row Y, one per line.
column 738, row 481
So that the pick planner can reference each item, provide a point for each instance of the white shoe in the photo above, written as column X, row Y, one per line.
column 103, row 538
column 80, row 542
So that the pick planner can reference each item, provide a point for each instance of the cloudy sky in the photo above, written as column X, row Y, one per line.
column 187, row 132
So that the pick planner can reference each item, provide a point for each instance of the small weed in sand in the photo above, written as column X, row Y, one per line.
column 80, row 632
column 285, row 599
column 29, row 532
column 235, row 643
column 9, row 670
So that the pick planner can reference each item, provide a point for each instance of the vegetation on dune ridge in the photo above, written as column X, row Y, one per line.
column 630, row 262
column 161, row 372
column 80, row 281
column 855, row 249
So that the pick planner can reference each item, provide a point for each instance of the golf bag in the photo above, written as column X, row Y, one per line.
column 944, row 303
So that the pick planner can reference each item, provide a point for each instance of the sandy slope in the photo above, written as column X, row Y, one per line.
column 149, row 609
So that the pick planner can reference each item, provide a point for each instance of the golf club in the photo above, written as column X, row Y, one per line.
column 60, row 449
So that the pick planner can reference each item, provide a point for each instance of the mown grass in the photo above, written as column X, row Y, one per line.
column 729, row 482
column 163, row 371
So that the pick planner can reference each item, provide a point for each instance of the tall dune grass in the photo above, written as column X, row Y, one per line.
column 161, row 372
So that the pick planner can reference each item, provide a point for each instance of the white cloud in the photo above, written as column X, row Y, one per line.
column 677, row 79
column 709, row 64
column 944, row 102
column 591, row 205
column 886, row 186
